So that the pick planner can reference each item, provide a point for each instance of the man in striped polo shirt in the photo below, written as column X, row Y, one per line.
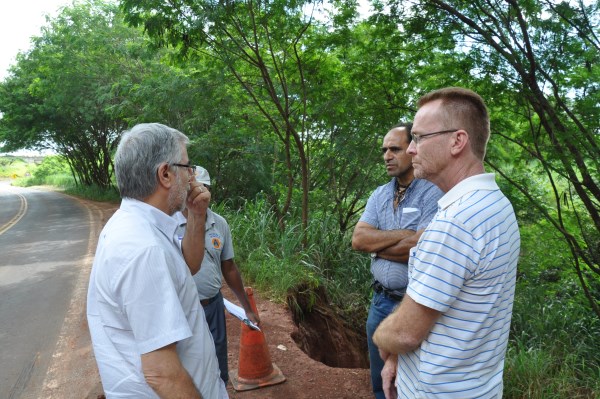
column 449, row 336
column 395, row 216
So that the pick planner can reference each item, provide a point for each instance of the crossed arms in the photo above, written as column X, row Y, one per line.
column 392, row 245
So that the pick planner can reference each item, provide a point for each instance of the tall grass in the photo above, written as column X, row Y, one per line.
column 276, row 261
column 554, row 349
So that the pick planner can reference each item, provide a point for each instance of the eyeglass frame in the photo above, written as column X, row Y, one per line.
column 417, row 138
column 190, row 166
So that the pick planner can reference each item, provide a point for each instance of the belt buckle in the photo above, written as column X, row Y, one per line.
column 208, row 301
column 395, row 297
column 377, row 287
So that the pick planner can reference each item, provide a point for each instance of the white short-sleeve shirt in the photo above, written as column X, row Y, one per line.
column 142, row 297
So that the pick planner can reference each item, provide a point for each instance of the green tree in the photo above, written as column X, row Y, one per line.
column 536, row 63
column 66, row 92
column 263, row 45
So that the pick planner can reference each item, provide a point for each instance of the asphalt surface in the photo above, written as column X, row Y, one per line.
column 44, row 241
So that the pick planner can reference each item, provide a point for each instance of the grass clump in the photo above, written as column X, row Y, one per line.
column 555, row 336
column 275, row 259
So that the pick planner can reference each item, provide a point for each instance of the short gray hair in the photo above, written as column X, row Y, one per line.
column 139, row 154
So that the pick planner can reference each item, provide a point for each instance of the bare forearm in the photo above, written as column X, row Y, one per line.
column 234, row 281
column 165, row 374
column 405, row 329
column 192, row 244
column 400, row 252
column 391, row 339
column 181, row 387
column 369, row 239
column 232, row 276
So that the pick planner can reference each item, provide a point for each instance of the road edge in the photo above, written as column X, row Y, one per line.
column 72, row 372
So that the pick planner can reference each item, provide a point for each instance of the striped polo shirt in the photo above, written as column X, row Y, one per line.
column 465, row 267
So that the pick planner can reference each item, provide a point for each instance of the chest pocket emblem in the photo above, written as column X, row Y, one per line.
column 216, row 243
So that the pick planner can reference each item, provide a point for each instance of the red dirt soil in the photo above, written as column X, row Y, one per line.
column 73, row 373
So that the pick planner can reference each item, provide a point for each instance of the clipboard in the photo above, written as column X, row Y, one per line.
column 240, row 313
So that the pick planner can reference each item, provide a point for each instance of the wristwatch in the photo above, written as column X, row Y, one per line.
column 373, row 255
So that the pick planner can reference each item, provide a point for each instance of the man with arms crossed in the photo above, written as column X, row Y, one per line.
column 148, row 330
column 394, row 218
column 448, row 338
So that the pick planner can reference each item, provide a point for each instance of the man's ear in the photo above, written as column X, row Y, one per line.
column 165, row 175
column 460, row 139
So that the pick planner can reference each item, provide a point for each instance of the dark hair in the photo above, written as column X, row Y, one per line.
column 406, row 126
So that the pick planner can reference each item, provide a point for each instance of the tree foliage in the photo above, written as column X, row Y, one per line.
column 539, row 65
column 65, row 93
column 263, row 46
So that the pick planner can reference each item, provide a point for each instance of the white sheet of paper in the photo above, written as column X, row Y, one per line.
column 239, row 312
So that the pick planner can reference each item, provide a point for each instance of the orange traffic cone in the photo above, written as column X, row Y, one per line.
column 255, row 367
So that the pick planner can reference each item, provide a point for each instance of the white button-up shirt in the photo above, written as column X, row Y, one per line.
column 141, row 298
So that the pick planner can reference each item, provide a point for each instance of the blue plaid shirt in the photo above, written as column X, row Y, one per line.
column 414, row 212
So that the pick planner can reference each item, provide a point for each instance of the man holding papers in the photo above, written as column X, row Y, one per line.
column 217, row 264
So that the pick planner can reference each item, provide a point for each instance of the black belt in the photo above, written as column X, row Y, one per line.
column 206, row 302
column 379, row 288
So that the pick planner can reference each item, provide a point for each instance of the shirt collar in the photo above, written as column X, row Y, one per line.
column 392, row 185
column 483, row 181
column 182, row 221
column 163, row 222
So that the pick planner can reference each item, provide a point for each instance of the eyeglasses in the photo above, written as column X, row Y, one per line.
column 190, row 166
column 418, row 137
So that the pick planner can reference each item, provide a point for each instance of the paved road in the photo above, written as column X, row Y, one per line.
column 44, row 244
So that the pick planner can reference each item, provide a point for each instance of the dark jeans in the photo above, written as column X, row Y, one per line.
column 215, row 317
column 381, row 307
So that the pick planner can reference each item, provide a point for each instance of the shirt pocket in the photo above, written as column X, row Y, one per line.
column 410, row 218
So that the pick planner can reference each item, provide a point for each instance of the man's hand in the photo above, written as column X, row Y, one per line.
column 388, row 377
column 253, row 317
column 192, row 244
column 198, row 199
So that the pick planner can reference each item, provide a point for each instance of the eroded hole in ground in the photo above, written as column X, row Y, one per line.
column 322, row 334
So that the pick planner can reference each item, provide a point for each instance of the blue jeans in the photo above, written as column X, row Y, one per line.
column 381, row 307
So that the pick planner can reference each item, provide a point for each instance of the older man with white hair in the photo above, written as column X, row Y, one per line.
column 148, row 330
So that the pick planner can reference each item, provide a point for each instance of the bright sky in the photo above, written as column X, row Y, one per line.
column 19, row 21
